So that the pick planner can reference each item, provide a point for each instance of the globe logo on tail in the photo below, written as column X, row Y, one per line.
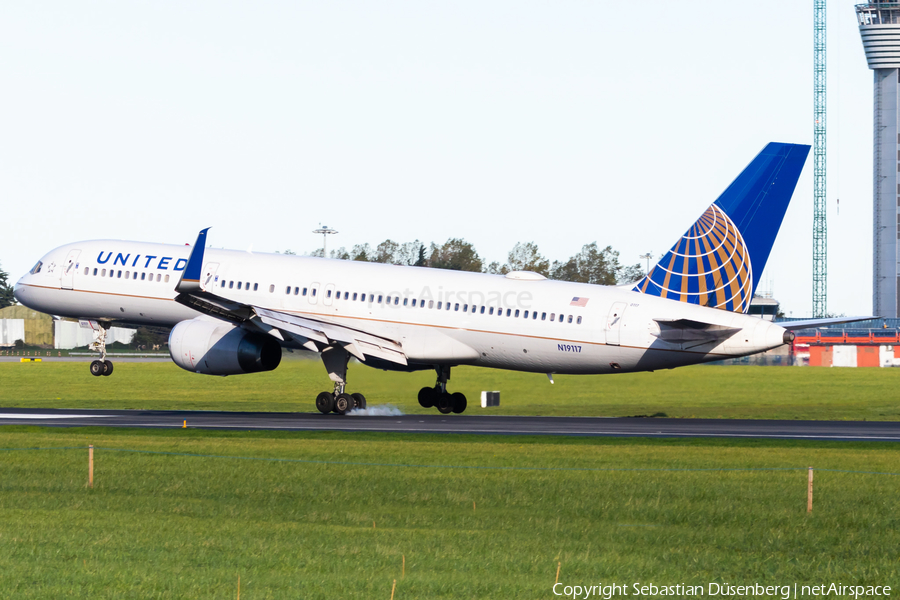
column 710, row 266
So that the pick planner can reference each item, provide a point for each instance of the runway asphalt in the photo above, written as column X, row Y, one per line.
column 885, row 431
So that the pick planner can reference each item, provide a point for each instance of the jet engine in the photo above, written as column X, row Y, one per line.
column 220, row 348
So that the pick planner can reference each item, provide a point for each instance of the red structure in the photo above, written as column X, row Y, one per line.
column 870, row 345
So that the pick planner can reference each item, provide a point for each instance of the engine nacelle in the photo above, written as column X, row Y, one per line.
column 220, row 348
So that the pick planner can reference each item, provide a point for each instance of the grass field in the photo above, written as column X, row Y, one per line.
column 172, row 526
column 702, row 391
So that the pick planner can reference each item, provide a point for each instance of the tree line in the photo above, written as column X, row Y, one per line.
column 6, row 290
column 591, row 265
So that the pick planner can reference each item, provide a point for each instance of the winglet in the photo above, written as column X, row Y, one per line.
column 190, row 277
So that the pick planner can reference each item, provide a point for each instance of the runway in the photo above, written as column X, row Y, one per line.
column 885, row 431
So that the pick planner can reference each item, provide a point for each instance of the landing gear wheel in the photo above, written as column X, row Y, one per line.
column 427, row 397
column 444, row 403
column 459, row 402
column 97, row 368
column 360, row 400
column 325, row 402
column 343, row 403
column 107, row 368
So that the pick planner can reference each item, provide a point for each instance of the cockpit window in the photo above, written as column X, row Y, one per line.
column 37, row 268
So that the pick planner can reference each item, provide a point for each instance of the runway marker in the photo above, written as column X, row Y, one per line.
column 91, row 466
column 185, row 424
column 809, row 492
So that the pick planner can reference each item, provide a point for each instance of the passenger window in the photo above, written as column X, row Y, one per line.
column 388, row 300
column 380, row 298
column 508, row 312
column 95, row 272
column 465, row 308
column 517, row 313
column 431, row 304
column 255, row 286
column 371, row 298
column 578, row 322
column 296, row 290
column 315, row 291
column 543, row 316
column 272, row 288
column 225, row 282
column 230, row 285
column 413, row 302
column 406, row 302
column 304, row 291
column 86, row 270
column 570, row 319
column 328, row 293
column 355, row 296
column 120, row 275
column 491, row 310
column 552, row 317
column 167, row 278
column 239, row 285
column 143, row 276
column 439, row 306
column 447, row 306
column 534, row 315
column 526, row 314
column 482, row 310
column 287, row 290
column 456, row 307
column 396, row 300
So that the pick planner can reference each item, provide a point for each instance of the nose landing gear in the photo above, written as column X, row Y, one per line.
column 101, row 367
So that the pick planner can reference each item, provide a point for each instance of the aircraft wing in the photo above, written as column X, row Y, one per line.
column 313, row 334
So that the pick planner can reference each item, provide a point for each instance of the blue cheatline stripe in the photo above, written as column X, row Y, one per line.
column 474, row 467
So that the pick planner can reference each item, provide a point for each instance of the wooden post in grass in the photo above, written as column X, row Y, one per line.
column 558, row 567
column 403, row 571
column 91, row 466
column 393, row 587
column 809, row 492
column 239, row 588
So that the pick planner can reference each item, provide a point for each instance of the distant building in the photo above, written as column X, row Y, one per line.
column 38, row 329
column 21, row 323
column 764, row 307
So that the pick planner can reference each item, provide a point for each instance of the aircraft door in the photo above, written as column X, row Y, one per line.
column 209, row 278
column 614, row 323
column 329, row 294
column 67, row 275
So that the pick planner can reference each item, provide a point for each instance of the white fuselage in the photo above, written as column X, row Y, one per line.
column 438, row 316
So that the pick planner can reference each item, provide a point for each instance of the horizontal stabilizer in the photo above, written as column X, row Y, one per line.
column 814, row 323
column 679, row 331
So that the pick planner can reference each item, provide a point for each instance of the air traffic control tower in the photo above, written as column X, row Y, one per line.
column 879, row 26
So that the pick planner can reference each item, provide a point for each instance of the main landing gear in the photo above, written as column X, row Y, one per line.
column 439, row 397
column 101, row 367
column 339, row 401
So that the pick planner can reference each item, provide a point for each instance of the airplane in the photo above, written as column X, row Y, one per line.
column 232, row 312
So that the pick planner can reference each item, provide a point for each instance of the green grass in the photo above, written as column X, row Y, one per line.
column 702, row 391
column 167, row 526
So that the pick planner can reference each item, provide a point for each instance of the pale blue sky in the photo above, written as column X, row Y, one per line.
column 558, row 122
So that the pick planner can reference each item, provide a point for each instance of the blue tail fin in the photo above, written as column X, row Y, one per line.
column 719, row 260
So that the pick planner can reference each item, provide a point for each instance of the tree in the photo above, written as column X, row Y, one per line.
column 455, row 254
column 386, row 252
column 361, row 252
column 526, row 257
column 6, row 291
column 593, row 265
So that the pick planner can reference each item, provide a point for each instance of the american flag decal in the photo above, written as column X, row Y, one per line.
column 576, row 301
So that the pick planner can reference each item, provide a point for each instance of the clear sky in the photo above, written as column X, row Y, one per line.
column 559, row 122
